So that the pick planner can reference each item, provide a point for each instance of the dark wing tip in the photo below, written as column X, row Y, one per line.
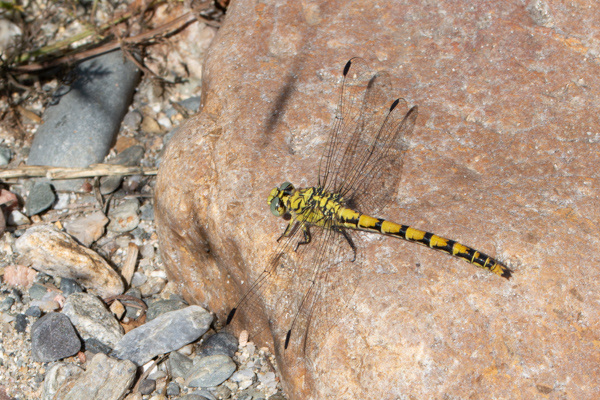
column 347, row 67
column 287, row 339
column 230, row 316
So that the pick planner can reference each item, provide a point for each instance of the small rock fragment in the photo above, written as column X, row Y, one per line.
column 53, row 338
column 179, row 364
column 69, row 286
column 163, row 334
column 124, row 217
column 49, row 250
column 21, row 322
column 87, row 229
column 147, row 386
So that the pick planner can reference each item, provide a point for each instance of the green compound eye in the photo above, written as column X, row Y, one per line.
column 276, row 206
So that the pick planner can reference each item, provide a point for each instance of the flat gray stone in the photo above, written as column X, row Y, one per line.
column 168, row 332
column 179, row 365
column 80, row 126
column 92, row 319
column 53, row 338
column 124, row 217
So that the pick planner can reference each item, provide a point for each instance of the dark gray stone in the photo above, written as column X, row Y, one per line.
column 79, row 126
column 41, row 197
column 162, row 306
column 21, row 323
column 168, row 332
column 210, row 371
column 130, row 157
column 53, row 338
column 69, row 286
column 33, row 311
column 147, row 386
column 179, row 365
column 219, row 343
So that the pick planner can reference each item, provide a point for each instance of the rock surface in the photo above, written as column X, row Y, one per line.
column 504, row 158
column 56, row 253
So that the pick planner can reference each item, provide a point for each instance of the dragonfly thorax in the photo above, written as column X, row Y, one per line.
column 313, row 205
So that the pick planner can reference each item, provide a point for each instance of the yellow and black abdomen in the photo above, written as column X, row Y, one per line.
column 355, row 220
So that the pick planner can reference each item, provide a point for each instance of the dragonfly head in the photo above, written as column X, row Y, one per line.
column 276, row 199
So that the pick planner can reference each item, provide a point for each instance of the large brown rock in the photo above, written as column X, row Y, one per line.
column 504, row 157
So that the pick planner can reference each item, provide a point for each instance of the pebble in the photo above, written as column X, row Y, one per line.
column 147, row 386
column 132, row 120
column 17, row 218
column 56, row 376
column 87, row 229
column 191, row 103
column 56, row 253
column 220, row 343
column 179, row 365
column 210, row 371
column 21, row 323
column 105, row 378
column 152, row 286
column 92, row 319
column 124, row 217
column 244, row 378
column 130, row 157
column 50, row 301
column 41, row 197
column 138, row 279
column 33, row 311
column 53, row 338
column 173, row 389
column 222, row 392
column 7, row 303
column 80, row 126
column 163, row 334
column 193, row 396
column 147, row 212
column 162, row 306
column 117, row 309
column 37, row 291
column 69, row 286
column 5, row 156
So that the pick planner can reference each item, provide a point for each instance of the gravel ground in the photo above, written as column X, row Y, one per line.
column 160, row 104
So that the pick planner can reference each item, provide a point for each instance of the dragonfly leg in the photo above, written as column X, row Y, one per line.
column 307, row 237
column 350, row 242
column 289, row 230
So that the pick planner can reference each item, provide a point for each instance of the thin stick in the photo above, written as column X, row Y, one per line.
column 33, row 171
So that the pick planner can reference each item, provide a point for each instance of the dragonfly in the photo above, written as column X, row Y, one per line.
column 359, row 173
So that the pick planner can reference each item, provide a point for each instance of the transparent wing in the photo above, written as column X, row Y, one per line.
column 364, row 155
column 298, row 284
